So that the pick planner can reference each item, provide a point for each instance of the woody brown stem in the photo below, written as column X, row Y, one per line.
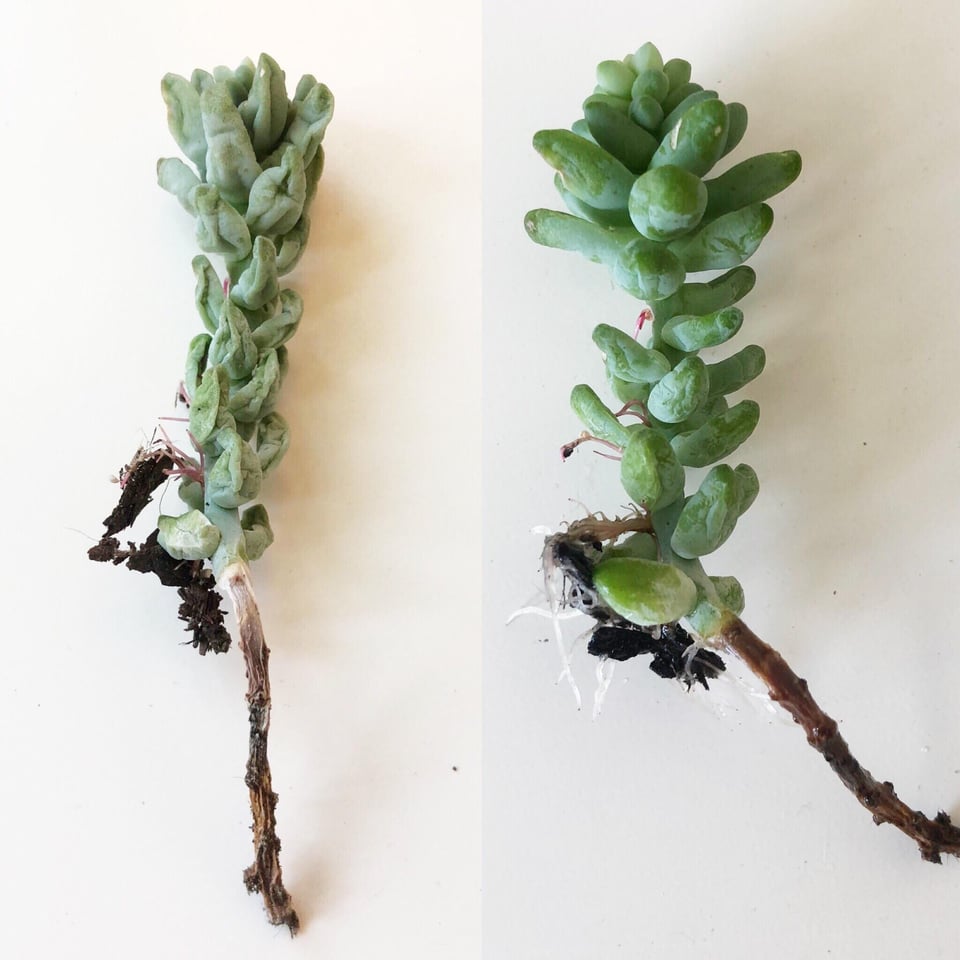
column 264, row 874
column 933, row 837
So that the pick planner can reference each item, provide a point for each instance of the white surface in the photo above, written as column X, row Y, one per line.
column 125, row 815
column 661, row 830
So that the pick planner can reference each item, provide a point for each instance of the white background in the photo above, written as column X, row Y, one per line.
column 124, row 810
column 663, row 829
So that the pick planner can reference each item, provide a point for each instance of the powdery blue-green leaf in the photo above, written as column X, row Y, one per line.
column 252, row 400
column 235, row 477
column 258, row 284
column 283, row 325
column 264, row 113
column 596, row 417
column 232, row 346
column 257, row 534
column 697, row 333
column 277, row 196
column 231, row 162
column 206, row 402
column 236, row 81
column 709, row 516
column 628, row 359
column 176, row 177
column 220, row 229
column 196, row 362
column 650, row 471
column 191, row 493
column 184, row 120
column 645, row 592
column 291, row 245
column 312, row 114
column 718, row 437
column 208, row 295
column 190, row 536
column 680, row 393
column 273, row 438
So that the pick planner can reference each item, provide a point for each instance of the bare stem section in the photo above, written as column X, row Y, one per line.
column 264, row 874
column 933, row 837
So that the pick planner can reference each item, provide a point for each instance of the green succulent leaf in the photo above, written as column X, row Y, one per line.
column 257, row 534
column 697, row 333
column 190, row 536
column 718, row 437
column 650, row 471
column 681, row 392
column 628, row 359
column 589, row 172
column 709, row 516
column 645, row 592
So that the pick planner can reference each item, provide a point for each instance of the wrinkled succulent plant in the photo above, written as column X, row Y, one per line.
column 255, row 158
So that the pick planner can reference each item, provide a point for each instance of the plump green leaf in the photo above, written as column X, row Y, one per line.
column 596, row 417
column 264, row 112
column 718, row 437
column 589, row 172
column 628, row 359
column 726, row 241
column 709, row 516
column 649, row 470
column 616, row 133
column 667, row 202
column 751, row 181
column 697, row 333
column 736, row 371
column 645, row 592
column 696, row 141
column 678, row 395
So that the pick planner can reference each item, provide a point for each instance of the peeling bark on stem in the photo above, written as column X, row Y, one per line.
column 933, row 837
column 264, row 874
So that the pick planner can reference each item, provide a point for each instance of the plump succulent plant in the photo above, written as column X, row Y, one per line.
column 631, row 173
